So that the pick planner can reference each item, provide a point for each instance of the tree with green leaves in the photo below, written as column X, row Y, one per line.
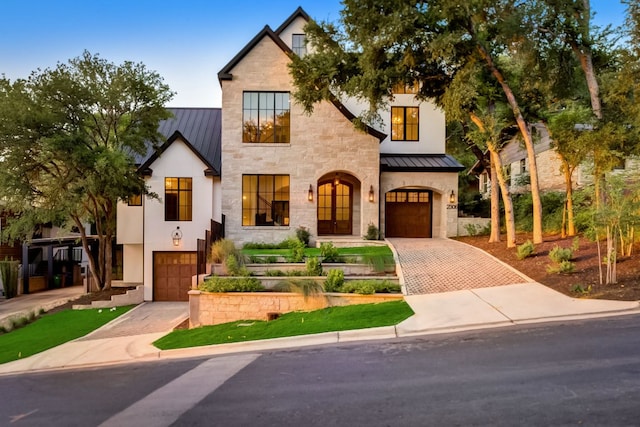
column 381, row 43
column 68, row 137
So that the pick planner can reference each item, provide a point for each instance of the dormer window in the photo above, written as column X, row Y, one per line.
column 299, row 45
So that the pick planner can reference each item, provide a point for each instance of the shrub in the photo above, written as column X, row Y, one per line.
column 229, row 284
column 379, row 262
column 367, row 287
column 254, row 259
column 274, row 273
column 372, row 232
column 314, row 267
column 221, row 249
column 580, row 289
column 329, row 252
column 525, row 250
column 303, row 234
column 235, row 266
column 305, row 287
column 9, row 277
column 297, row 252
column 564, row 267
column 334, row 280
column 558, row 254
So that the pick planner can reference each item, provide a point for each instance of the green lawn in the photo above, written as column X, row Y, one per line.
column 382, row 250
column 51, row 330
column 291, row 324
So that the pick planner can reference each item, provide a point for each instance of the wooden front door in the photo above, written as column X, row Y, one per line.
column 335, row 208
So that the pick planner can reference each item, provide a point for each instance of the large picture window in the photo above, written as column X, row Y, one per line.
column 177, row 199
column 265, row 117
column 265, row 200
column 404, row 123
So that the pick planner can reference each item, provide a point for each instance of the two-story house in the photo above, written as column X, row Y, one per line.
column 280, row 169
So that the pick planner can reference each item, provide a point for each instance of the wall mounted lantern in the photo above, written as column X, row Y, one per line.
column 310, row 193
column 336, row 180
column 176, row 236
column 452, row 197
column 371, row 194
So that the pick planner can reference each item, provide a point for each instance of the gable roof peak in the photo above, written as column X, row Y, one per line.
column 298, row 13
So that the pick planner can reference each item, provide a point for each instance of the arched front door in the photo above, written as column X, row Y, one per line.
column 335, row 208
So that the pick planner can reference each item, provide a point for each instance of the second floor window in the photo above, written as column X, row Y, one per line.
column 404, row 123
column 265, row 117
column 177, row 199
column 402, row 88
column 299, row 45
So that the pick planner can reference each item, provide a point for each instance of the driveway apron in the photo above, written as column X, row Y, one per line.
column 443, row 265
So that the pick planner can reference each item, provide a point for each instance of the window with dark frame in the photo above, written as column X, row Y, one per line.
column 299, row 44
column 265, row 200
column 178, row 199
column 404, row 123
column 265, row 117
column 135, row 200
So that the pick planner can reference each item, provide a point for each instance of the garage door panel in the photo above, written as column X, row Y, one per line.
column 172, row 273
column 408, row 214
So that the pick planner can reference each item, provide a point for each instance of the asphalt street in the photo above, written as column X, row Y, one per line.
column 570, row 373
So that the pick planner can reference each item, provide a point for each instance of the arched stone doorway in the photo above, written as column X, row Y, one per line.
column 335, row 205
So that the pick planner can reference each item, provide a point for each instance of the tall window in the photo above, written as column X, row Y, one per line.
column 135, row 200
column 265, row 200
column 177, row 199
column 404, row 123
column 265, row 117
column 299, row 45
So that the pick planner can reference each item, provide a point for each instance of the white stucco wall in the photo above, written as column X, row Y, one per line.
column 129, row 223
column 133, row 257
column 180, row 162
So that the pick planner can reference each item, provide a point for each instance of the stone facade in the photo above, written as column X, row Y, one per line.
column 215, row 308
column 321, row 145
column 444, row 215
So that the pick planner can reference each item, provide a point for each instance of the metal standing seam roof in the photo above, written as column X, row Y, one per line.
column 201, row 129
column 419, row 163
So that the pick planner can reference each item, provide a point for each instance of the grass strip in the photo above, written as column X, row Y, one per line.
column 381, row 250
column 51, row 330
column 291, row 324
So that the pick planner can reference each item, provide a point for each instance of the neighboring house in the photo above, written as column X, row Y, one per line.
column 268, row 168
column 516, row 164
column 185, row 175
column 550, row 174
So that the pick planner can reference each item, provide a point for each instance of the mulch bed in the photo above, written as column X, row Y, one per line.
column 586, row 273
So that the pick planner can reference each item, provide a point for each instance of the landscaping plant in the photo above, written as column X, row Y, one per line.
column 9, row 277
column 525, row 250
column 334, row 280
column 231, row 284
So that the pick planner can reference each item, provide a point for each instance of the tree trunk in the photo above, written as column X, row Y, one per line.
column 568, row 181
column 528, row 142
column 495, row 206
column 496, row 163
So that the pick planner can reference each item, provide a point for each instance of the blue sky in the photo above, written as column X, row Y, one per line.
column 187, row 41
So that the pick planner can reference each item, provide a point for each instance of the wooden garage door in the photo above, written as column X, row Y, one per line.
column 408, row 214
column 172, row 272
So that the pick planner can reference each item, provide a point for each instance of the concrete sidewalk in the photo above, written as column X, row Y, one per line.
column 435, row 313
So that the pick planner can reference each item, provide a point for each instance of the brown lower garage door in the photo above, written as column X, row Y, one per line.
column 408, row 214
column 172, row 272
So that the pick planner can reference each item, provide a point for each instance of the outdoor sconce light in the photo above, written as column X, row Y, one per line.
column 336, row 180
column 310, row 193
column 176, row 236
column 371, row 193
column 452, row 197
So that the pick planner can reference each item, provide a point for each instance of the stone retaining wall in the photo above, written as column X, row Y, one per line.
column 208, row 308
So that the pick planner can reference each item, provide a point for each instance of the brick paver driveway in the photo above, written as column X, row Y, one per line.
column 443, row 265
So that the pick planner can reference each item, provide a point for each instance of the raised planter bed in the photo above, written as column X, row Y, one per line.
column 348, row 269
column 209, row 308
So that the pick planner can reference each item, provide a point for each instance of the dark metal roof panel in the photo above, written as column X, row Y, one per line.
column 419, row 163
column 201, row 127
